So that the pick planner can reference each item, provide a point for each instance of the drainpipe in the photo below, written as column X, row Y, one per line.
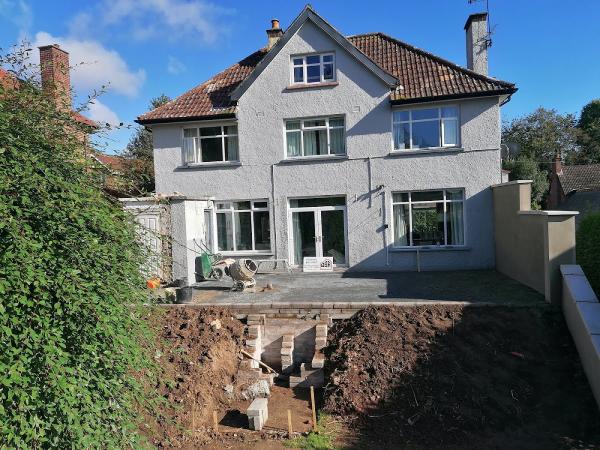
column 273, row 207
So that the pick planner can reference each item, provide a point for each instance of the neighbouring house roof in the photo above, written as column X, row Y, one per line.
column 580, row 178
column 420, row 76
column 113, row 163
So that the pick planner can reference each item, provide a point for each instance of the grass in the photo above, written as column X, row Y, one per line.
column 322, row 439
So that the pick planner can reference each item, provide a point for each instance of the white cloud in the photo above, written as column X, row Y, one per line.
column 174, row 66
column 100, row 67
column 99, row 112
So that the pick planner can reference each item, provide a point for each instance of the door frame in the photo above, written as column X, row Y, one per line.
column 317, row 211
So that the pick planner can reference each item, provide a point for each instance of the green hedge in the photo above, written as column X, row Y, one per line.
column 588, row 249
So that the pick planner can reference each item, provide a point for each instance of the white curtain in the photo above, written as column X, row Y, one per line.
column 231, row 148
column 189, row 153
column 297, row 238
column 400, row 225
column 293, row 143
column 455, row 216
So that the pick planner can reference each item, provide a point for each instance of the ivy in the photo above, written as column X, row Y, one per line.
column 70, row 289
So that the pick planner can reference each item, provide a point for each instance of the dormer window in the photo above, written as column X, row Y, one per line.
column 313, row 68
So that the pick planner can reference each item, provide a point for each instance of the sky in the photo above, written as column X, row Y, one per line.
column 143, row 48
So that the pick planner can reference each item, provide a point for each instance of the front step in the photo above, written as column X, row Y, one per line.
column 309, row 376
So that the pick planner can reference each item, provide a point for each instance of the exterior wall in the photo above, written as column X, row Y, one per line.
column 582, row 314
column 363, row 99
column 531, row 245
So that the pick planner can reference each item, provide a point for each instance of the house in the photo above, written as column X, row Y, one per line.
column 362, row 148
column 574, row 188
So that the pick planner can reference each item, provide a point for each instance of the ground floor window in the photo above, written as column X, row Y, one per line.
column 243, row 226
column 428, row 218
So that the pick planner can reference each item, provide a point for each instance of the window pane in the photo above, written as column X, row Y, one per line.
column 401, row 225
column 328, row 71
column 430, row 113
column 337, row 144
column 314, row 123
column 298, row 74
column 262, row 233
column 231, row 129
column 454, row 222
column 427, row 196
column 224, row 205
column 449, row 111
column 454, row 194
column 313, row 59
column 241, row 205
column 338, row 122
column 293, row 143
column 400, row 197
column 292, row 125
column 450, row 131
column 317, row 201
column 428, row 224
column 327, row 58
column 315, row 142
column 426, row 134
column 298, row 61
column 210, row 131
column 231, row 149
column 313, row 74
column 189, row 152
column 401, row 136
column 211, row 149
column 401, row 116
column 190, row 132
column 243, row 231
column 260, row 204
column 224, row 232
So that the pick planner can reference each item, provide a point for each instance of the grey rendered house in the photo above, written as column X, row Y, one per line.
column 362, row 148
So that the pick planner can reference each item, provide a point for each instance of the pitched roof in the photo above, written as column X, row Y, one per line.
column 112, row 162
column 422, row 76
column 580, row 178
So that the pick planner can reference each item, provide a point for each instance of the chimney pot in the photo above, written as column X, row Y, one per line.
column 56, row 80
column 477, row 43
column 274, row 33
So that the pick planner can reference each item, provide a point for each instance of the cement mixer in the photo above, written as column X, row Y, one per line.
column 242, row 272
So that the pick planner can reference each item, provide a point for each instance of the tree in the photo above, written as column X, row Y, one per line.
column 589, row 137
column 139, row 167
column 70, row 331
column 542, row 134
column 525, row 168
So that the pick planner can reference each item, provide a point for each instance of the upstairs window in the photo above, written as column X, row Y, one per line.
column 243, row 226
column 210, row 144
column 425, row 128
column 315, row 137
column 315, row 68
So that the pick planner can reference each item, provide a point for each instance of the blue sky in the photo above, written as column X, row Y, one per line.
column 549, row 48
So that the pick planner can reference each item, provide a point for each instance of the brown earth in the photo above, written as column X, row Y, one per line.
column 459, row 377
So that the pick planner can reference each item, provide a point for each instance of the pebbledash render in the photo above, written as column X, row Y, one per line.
column 362, row 148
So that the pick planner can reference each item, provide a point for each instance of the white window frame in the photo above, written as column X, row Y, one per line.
column 226, row 207
column 440, row 121
column 305, row 65
column 197, row 147
column 304, row 128
column 445, row 201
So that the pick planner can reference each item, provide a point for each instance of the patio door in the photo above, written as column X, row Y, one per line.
column 318, row 230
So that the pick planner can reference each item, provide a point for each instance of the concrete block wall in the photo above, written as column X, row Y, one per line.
column 582, row 314
column 272, row 340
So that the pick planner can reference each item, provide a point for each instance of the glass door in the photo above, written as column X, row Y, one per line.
column 304, row 233
column 332, row 237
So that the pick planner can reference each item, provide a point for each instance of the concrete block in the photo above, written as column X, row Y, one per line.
column 288, row 338
column 320, row 342
column 254, row 331
column 321, row 330
column 258, row 413
column 318, row 361
column 571, row 269
column 580, row 289
column 256, row 318
column 590, row 313
column 286, row 351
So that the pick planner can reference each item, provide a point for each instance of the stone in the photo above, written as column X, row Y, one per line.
column 215, row 325
column 258, row 389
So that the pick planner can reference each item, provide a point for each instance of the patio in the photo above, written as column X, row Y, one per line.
column 351, row 290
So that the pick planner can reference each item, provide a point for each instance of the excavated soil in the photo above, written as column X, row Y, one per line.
column 459, row 377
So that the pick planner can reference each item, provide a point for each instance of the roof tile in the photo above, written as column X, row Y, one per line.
column 580, row 178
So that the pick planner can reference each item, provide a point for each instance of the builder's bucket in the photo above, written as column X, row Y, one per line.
column 184, row 295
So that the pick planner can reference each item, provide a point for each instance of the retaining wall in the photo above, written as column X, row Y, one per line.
column 582, row 314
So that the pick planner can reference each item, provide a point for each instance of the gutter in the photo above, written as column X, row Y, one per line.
column 436, row 98
column 185, row 119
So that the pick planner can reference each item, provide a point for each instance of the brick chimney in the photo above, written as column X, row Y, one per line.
column 274, row 33
column 478, row 42
column 56, row 81
column 557, row 164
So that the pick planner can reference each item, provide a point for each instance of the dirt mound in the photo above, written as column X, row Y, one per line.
column 446, row 376
column 197, row 350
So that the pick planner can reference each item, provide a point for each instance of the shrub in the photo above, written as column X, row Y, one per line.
column 69, row 282
column 588, row 249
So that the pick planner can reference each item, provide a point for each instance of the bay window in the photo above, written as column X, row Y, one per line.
column 426, row 128
column 428, row 218
column 314, row 137
column 210, row 144
column 311, row 69
column 243, row 226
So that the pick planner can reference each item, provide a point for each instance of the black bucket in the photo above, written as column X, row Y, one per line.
column 184, row 295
